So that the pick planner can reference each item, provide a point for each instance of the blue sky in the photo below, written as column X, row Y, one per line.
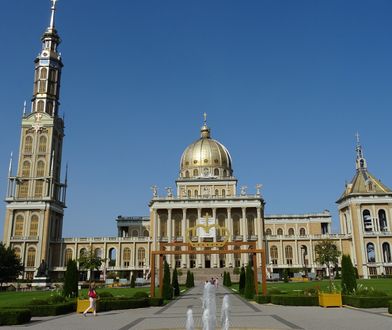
column 286, row 85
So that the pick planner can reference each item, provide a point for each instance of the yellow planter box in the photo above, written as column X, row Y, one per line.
column 82, row 304
column 330, row 299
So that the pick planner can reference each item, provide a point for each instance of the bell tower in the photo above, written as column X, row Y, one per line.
column 35, row 194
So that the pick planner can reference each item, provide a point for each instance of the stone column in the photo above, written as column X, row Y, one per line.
column 184, row 258
column 244, row 229
column 229, row 225
column 214, row 257
column 169, row 258
column 199, row 257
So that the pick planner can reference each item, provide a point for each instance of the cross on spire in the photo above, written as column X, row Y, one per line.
column 205, row 118
column 51, row 25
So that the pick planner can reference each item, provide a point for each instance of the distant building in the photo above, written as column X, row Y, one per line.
column 206, row 193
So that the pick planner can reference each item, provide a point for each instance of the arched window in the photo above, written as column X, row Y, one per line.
column 141, row 255
column 42, row 144
column 39, row 185
column 223, row 192
column 40, row 168
column 274, row 254
column 26, row 169
column 268, row 232
column 302, row 232
column 112, row 257
column 135, row 233
column 195, row 172
column 304, row 253
column 30, row 257
column 288, row 251
column 40, row 104
column 34, row 225
column 49, row 107
column 67, row 256
column 367, row 220
column 386, row 252
column 17, row 252
column 146, row 233
column 224, row 173
column 187, row 174
column 382, row 220
column 28, row 147
column 291, row 232
column 251, row 225
column 127, row 257
column 371, row 254
column 196, row 193
column 216, row 172
column 44, row 73
column 82, row 252
column 216, row 192
column 19, row 224
column 98, row 253
column 279, row 231
column 236, row 225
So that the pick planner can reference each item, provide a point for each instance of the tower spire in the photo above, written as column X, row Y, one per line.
column 205, row 130
column 360, row 161
column 53, row 14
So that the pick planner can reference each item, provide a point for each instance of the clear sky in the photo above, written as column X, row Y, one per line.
column 286, row 85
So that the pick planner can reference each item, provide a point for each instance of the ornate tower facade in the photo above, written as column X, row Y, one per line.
column 35, row 194
column 365, row 212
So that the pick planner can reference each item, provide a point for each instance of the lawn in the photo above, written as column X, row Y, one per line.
column 378, row 284
column 16, row 299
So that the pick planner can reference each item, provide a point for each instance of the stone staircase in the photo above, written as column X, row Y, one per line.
column 203, row 274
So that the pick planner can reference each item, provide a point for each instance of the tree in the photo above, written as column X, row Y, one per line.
column 192, row 280
column 228, row 279
column 249, row 291
column 133, row 280
column 285, row 275
column 349, row 281
column 91, row 262
column 10, row 266
column 327, row 254
column 167, row 290
column 224, row 278
column 175, row 284
column 242, row 280
column 188, row 279
column 70, row 288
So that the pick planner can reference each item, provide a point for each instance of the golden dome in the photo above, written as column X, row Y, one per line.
column 206, row 158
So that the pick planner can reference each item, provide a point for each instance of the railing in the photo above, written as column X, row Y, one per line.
column 24, row 238
column 377, row 233
column 317, row 236
column 205, row 197
column 105, row 239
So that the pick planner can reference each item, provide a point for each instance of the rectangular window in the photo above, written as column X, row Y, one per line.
column 372, row 271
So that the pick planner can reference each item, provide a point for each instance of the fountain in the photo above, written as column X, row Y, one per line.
column 190, row 323
column 209, row 307
column 225, row 313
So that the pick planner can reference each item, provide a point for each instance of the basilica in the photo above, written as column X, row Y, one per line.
column 206, row 194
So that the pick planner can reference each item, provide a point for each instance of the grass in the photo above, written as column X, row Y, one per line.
column 378, row 284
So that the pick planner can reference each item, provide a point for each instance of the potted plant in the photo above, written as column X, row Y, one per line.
column 328, row 254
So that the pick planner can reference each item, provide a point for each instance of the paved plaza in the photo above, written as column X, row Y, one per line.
column 244, row 315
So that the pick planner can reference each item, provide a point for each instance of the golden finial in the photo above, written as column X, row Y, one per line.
column 205, row 118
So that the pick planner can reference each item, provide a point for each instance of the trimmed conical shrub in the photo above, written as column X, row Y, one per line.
column 167, row 290
column 71, row 280
column 175, row 285
column 249, row 283
column 228, row 280
column 349, row 281
column 242, row 280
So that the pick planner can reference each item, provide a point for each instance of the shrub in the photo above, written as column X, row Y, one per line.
column 70, row 288
column 156, row 301
column 249, row 291
column 175, row 285
column 260, row 299
column 311, row 291
column 295, row 300
column 192, row 280
column 41, row 302
column 228, row 280
column 366, row 302
column 105, row 294
column 188, row 279
column 285, row 276
column 52, row 310
column 224, row 278
column 274, row 291
column 14, row 316
column 242, row 281
column 236, row 271
column 390, row 307
column 110, row 304
column 364, row 291
column 167, row 290
column 56, row 299
column 140, row 294
column 133, row 280
column 349, row 281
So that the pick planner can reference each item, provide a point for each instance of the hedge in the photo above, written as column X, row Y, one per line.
column 14, row 316
column 366, row 302
column 295, row 300
column 390, row 307
column 52, row 310
column 156, row 301
column 110, row 304
column 260, row 299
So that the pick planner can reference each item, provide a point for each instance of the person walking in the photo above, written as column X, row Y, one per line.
column 92, row 297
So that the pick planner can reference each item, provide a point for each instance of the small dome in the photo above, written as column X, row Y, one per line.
column 206, row 158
